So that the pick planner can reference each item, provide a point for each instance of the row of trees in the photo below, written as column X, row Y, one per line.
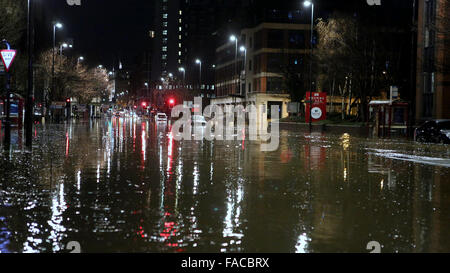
column 72, row 79
column 353, row 59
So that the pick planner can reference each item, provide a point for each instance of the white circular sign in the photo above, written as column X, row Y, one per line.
column 316, row 113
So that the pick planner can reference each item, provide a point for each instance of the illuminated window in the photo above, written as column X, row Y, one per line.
column 165, row 15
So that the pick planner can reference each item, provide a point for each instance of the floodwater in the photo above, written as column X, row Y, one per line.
column 125, row 185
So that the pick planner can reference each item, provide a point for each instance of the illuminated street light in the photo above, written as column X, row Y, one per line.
column 55, row 26
column 244, row 50
column 234, row 39
column 308, row 4
column 183, row 70
column 199, row 63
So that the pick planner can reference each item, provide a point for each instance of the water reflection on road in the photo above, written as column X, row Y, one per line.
column 125, row 185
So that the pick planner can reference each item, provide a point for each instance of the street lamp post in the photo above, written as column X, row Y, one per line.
column 234, row 39
column 200, row 63
column 183, row 70
column 80, row 59
column 55, row 26
column 307, row 4
column 146, row 85
column 243, row 49
column 63, row 45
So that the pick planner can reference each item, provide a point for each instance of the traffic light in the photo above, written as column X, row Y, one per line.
column 171, row 102
column 144, row 104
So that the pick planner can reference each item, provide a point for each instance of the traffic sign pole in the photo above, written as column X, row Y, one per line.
column 7, row 140
column 7, row 57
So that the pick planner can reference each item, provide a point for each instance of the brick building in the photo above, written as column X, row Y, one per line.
column 433, row 60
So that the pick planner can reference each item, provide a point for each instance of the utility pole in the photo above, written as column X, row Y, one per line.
column 30, row 95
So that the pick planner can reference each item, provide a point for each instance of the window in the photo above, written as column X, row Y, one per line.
column 274, row 38
column 297, row 39
column 430, row 9
column 274, row 85
column 258, row 43
column 274, row 62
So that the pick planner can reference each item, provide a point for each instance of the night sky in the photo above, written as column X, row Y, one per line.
column 105, row 30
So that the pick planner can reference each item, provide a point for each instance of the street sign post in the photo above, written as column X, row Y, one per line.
column 7, row 56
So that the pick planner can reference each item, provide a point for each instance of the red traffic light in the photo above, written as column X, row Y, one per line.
column 144, row 104
column 68, row 100
column 172, row 101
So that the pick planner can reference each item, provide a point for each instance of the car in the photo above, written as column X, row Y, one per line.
column 161, row 117
column 198, row 120
column 435, row 131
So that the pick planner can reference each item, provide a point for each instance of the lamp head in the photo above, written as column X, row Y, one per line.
column 307, row 3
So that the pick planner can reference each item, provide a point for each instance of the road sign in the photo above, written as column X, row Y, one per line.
column 8, row 58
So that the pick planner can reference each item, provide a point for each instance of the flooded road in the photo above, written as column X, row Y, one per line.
column 125, row 185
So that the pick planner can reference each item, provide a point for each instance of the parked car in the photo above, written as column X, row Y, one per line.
column 436, row 131
column 198, row 120
column 161, row 117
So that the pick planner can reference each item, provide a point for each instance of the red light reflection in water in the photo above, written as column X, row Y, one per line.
column 134, row 137
column 171, row 229
column 67, row 144
column 243, row 139
column 315, row 156
column 170, row 153
column 143, row 144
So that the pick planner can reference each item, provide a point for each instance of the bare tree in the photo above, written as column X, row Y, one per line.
column 72, row 79
column 359, row 59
